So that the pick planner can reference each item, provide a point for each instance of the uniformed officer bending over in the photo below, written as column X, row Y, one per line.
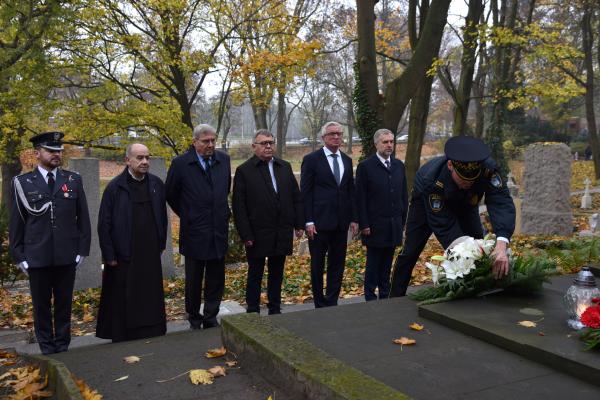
column 445, row 200
column 49, row 236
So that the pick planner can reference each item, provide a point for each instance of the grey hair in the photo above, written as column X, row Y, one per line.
column 379, row 133
column 327, row 125
column 264, row 132
column 203, row 129
column 130, row 147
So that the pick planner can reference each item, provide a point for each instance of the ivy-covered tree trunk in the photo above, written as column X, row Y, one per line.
column 588, row 46
column 367, row 105
column 10, row 166
column 419, row 111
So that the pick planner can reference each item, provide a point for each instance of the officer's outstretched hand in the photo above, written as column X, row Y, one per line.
column 500, row 267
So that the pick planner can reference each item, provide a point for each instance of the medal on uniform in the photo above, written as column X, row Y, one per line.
column 65, row 190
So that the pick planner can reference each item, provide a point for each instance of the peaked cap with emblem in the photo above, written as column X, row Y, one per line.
column 48, row 140
column 466, row 153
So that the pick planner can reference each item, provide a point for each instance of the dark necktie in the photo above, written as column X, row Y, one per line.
column 336, row 169
column 207, row 168
column 51, row 182
column 387, row 164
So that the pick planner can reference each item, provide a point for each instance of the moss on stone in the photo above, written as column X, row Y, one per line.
column 276, row 346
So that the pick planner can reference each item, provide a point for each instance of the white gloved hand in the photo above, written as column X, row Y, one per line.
column 24, row 267
column 78, row 260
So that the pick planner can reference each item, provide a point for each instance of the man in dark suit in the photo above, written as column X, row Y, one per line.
column 49, row 237
column 267, row 208
column 327, row 186
column 382, row 201
column 197, row 187
column 445, row 200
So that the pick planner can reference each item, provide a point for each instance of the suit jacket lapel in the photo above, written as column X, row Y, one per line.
column 347, row 168
column 38, row 180
column 326, row 165
column 61, row 179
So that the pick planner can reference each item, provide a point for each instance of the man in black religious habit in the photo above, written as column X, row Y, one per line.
column 132, row 230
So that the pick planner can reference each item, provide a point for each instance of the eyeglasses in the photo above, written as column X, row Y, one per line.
column 207, row 141
column 334, row 134
column 266, row 143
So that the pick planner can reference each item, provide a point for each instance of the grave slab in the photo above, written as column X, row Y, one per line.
column 443, row 364
column 494, row 319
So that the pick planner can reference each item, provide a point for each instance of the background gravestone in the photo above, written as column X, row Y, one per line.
column 89, row 273
column 159, row 168
column 546, row 208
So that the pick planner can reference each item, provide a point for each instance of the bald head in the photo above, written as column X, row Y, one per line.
column 137, row 158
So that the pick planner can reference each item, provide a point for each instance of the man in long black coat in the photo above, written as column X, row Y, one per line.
column 197, row 187
column 49, row 236
column 132, row 231
column 327, row 186
column 267, row 208
column 382, row 202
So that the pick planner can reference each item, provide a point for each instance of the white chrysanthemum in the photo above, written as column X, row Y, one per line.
column 436, row 272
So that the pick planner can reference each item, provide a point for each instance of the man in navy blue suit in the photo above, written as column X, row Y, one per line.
column 382, row 202
column 327, row 185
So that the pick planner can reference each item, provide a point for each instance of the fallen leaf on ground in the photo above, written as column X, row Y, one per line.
column 218, row 352
column 416, row 327
column 527, row 324
column 122, row 378
column 541, row 334
column 201, row 376
column 231, row 363
column 86, row 392
column 131, row 359
column 404, row 341
column 217, row 371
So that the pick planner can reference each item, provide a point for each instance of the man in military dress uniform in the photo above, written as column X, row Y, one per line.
column 49, row 236
column 445, row 200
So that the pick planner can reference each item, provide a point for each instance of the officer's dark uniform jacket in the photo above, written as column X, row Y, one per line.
column 446, row 203
column 57, row 236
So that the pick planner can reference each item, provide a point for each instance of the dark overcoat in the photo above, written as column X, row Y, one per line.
column 329, row 206
column 41, row 240
column 115, row 217
column 262, row 215
column 201, row 204
column 382, row 201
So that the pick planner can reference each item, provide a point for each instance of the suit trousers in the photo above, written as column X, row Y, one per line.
column 212, row 272
column 256, row 266
column 45, row 283
column 333, row 245
column 377, row 272
column 416, row 237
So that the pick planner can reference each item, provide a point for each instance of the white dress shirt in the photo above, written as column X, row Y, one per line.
column 328, row 154
column 45, row 173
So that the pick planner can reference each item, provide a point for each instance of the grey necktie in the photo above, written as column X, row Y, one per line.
column 51, row 182
column 387, row 164
column 336, row 169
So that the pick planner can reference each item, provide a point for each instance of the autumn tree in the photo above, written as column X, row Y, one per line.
column 373, row 111
column 27, row 31
column 160, row 53
column 272, row 54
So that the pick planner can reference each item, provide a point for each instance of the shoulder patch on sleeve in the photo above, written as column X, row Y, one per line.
column 496, row 180
column 436, row 202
